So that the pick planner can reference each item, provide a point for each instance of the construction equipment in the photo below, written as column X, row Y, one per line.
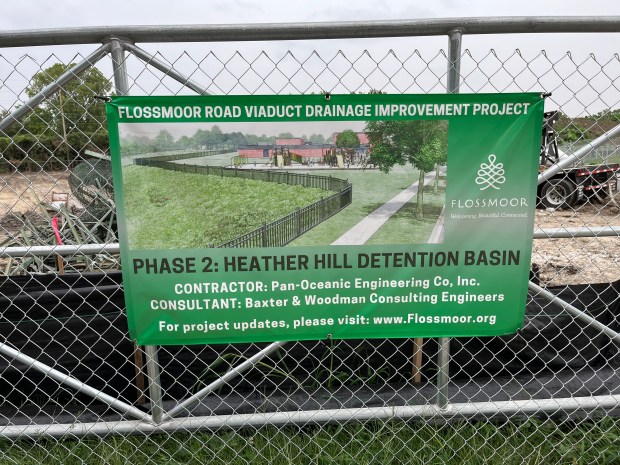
column 571, row 185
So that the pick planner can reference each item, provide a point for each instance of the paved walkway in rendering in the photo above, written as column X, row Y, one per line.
column 436, row 236
column 365, row 229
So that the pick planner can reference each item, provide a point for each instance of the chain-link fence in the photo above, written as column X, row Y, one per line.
column 69, row 369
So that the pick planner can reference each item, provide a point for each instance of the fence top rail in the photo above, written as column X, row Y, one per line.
column 311, row 31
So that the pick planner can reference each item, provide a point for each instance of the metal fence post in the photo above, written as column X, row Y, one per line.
column 443, row 355
column 454, row 61
column 152, row 367
column 119, row 67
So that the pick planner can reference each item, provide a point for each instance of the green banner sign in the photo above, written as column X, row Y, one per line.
column 274, row 218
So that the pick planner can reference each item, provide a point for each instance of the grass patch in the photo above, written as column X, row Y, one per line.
column 371, row 189
column 168, row 209
column 391, row 442
column 404, row 227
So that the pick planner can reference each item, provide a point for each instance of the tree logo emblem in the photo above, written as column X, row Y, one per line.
column 491, row 174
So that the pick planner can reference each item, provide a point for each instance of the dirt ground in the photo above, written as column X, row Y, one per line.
column 20, row 194
column 583, row 259
column 560, row 261
column 19, row 191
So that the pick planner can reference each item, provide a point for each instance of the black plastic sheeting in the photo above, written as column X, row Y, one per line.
column 73, row 323
column 76, row 324
column 550, row 338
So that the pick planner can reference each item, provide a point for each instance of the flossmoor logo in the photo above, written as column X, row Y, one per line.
column 491, row 174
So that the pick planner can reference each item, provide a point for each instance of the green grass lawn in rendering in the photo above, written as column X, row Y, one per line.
column 168, row 209
column 372, row 189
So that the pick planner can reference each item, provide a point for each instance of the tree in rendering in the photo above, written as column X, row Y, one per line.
column 347, row 139
column 317, row 139
column 164, row 141
column 422, row 143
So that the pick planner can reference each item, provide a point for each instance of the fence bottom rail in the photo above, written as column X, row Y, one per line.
column 508, row 396
column 585, row 406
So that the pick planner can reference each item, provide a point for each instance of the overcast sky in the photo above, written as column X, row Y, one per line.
column 29, row 14
column 36, row 14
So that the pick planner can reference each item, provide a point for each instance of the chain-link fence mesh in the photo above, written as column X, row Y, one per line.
column 529, row 397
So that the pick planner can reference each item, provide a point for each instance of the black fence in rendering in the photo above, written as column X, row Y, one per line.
column 283, row 230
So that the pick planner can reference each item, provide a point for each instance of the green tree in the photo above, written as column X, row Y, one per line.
column 317, row 139
column 347, row 139
column 35, row 124
column 164, row 141
column 208, row 138
column 72, row 109
column 132, row 145
column 421, row 143
column 217, row 136
column 236, row 138
column 185, row 142
column 202, row 137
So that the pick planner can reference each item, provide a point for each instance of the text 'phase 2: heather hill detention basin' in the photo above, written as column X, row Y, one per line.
column 326, row 261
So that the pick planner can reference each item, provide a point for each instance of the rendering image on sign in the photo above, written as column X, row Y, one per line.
column 274, row 218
